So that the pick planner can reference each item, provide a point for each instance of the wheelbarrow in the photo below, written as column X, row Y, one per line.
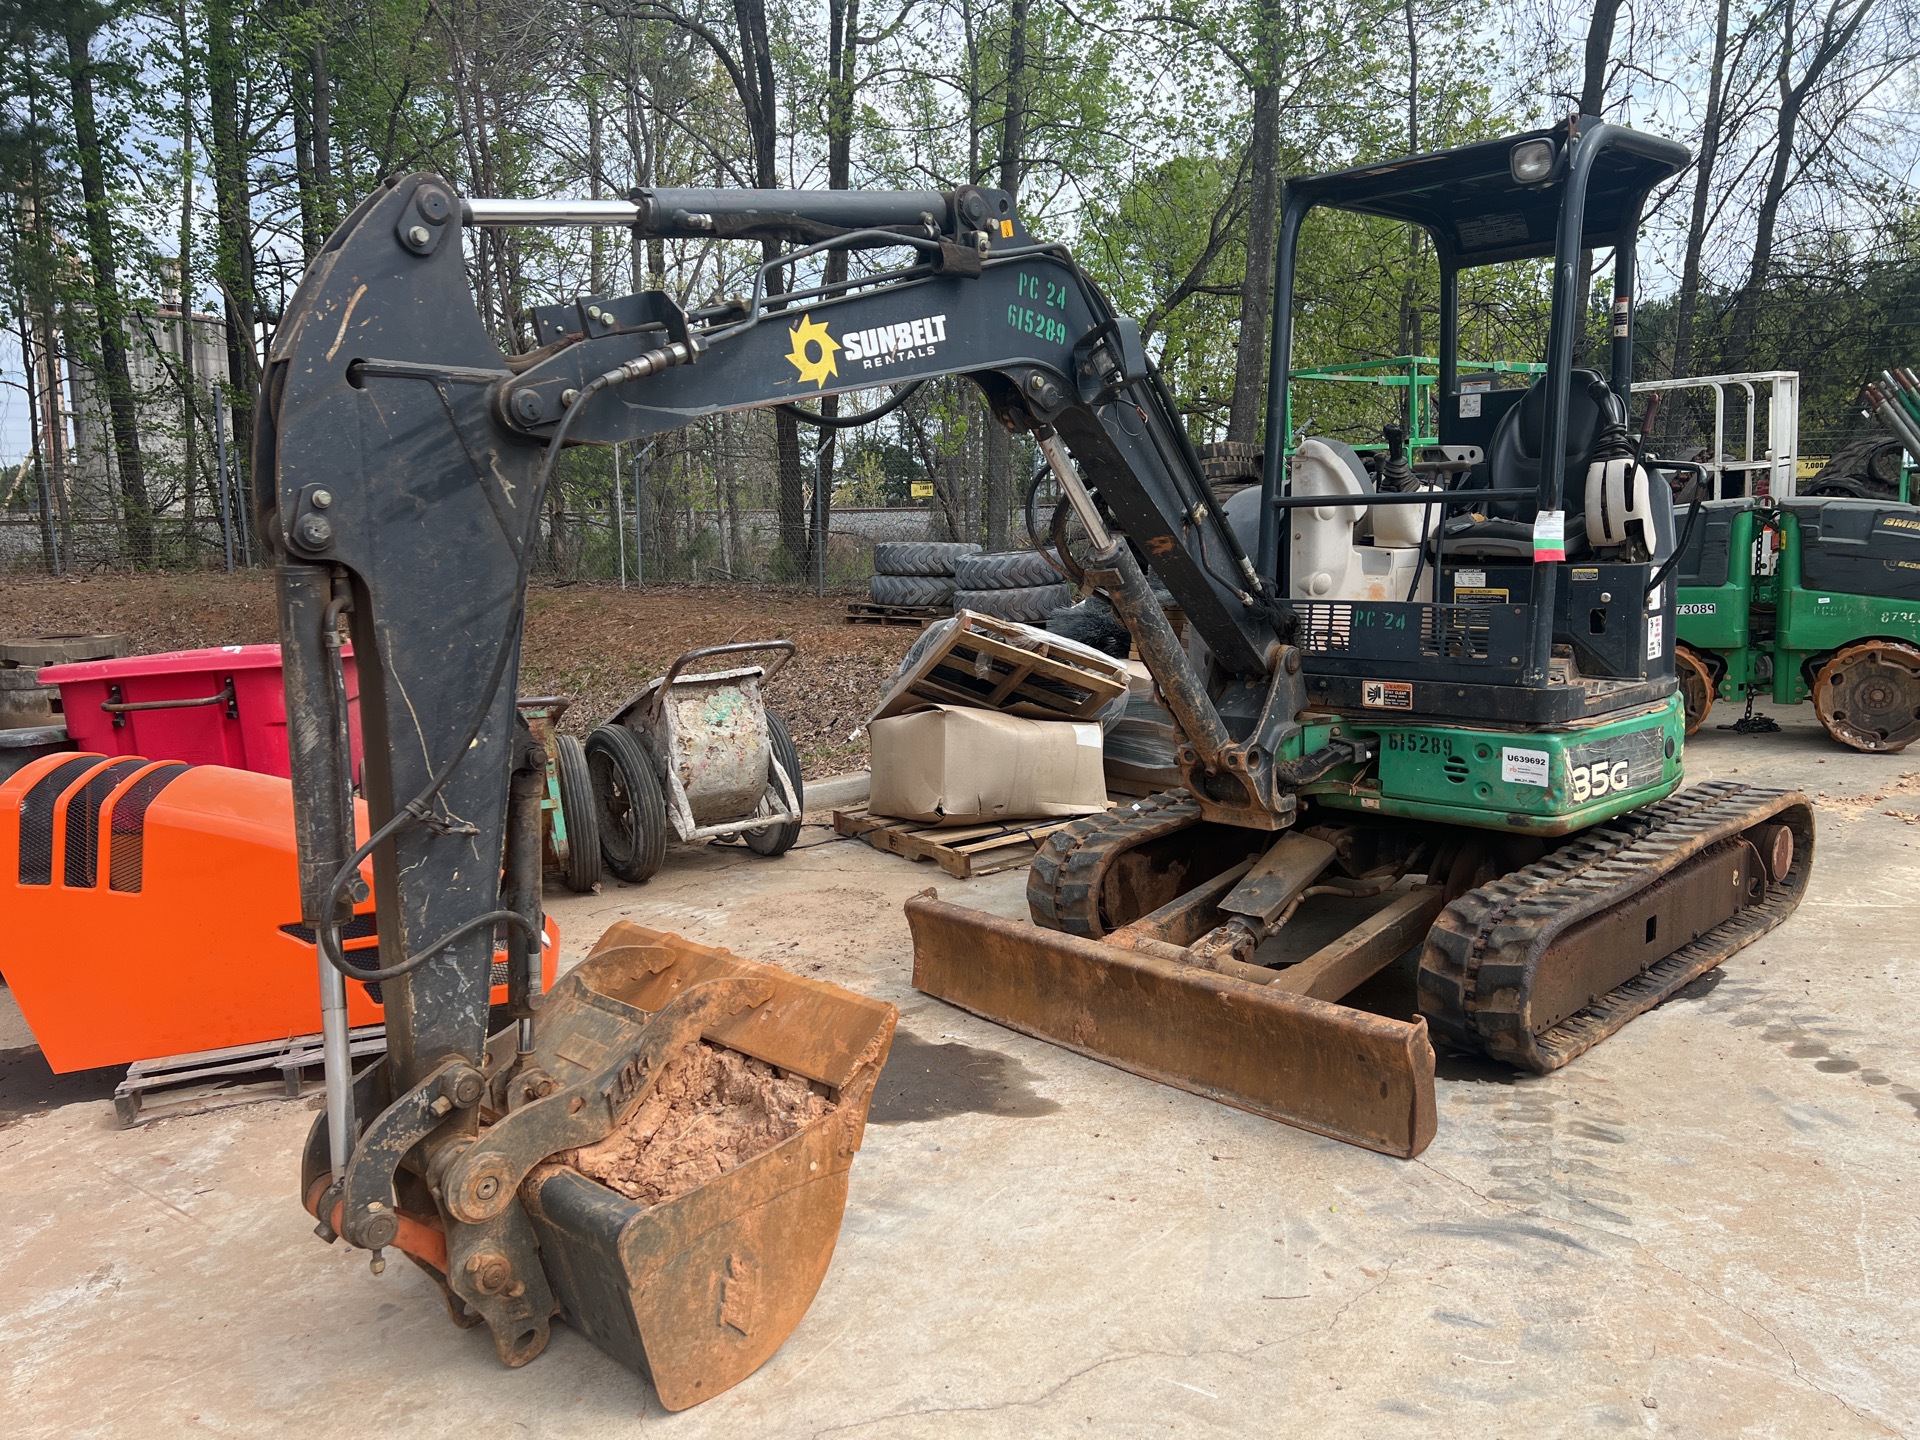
column 567, row 809
column 698, row 755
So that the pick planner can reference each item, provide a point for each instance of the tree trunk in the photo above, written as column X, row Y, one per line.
column 1830, row 44
column 1412, row 337
column 1593, row 99
column 1599, row 49
column 996, row 443
column 323, row 139
column 1256, row 291
column 1687, row 302
column 233, row 256
column 843, row 32
column 29, row 365
column 189, row 388
column 760, row 98
column 115, row 374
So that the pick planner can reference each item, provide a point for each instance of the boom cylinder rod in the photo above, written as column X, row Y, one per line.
column 1134, row 602
column 698, row 211
column 336, row 1040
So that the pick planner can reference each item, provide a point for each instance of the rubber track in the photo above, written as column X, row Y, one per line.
column 1474, row 966
column 1063, row 885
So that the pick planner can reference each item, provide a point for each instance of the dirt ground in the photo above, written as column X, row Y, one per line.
column 596, row 643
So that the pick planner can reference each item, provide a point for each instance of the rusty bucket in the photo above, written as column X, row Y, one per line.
column 697, row 1290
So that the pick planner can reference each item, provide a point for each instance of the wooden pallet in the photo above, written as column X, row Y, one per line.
column 237, row 1075
column 995, row 665
column 963, row 851
column 865, row 612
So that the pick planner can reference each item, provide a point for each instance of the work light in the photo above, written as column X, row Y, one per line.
column 1531, row 161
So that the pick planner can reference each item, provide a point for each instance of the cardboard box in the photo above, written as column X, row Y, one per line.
column 959, row 766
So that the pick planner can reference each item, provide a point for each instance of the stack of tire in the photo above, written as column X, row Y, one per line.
column 1866, row 469
column 1230, row 466
column 916, row 574
column 1020, row 585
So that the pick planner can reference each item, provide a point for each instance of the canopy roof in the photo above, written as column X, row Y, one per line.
column 1475, row 210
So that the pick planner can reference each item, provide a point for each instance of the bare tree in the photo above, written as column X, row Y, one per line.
column 1809, row 66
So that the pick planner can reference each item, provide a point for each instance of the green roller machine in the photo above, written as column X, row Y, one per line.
column 1804, row 598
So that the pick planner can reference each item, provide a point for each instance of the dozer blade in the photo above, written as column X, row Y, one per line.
column 1340, row 1072
column 699, row 1290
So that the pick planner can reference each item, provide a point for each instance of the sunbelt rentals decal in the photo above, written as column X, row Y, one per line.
column 816, row 352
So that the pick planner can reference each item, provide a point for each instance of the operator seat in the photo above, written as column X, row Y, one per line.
column 1513, row 462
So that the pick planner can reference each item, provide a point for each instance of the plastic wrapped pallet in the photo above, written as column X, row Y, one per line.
column 955, row 765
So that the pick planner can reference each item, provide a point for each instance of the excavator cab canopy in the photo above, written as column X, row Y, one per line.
column 1551, row 193
column 1501, row 199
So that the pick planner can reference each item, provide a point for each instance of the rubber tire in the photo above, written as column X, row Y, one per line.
column 771, row 840
column 1232, row 462
column 913, row 590
column 582, row 868
column 1029, row 605
column 1875, row 462
column 1092, row 622
column 628, row 807
column 920, row 557
column 1005, row 570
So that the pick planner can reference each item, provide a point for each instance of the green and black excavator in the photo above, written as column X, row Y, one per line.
column 1429, row 711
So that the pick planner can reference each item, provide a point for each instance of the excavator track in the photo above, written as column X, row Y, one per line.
column 1495, row 950
column 1070, row 875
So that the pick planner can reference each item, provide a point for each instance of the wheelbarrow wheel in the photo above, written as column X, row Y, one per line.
column 627, row 803
column 778, row 839
column 580, row 866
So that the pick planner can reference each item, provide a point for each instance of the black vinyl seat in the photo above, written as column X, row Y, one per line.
column 1513, row 462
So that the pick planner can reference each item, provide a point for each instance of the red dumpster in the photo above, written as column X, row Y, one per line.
column 222, row 706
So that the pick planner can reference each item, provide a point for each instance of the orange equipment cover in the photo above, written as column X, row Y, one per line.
column 152, row 908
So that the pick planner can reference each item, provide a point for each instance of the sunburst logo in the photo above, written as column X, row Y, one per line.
column 813, row 352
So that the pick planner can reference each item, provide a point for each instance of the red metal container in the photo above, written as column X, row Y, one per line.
column 223, row 706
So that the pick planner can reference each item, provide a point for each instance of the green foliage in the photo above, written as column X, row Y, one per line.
column 1133, row 124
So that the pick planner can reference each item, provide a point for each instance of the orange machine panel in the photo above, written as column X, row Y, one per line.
column 152, row 908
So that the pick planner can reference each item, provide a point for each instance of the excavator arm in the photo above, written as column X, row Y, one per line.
column 402, row 463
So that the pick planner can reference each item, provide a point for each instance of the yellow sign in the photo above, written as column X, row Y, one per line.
column 922, row 489
column 813, row 352
column 1810, row 466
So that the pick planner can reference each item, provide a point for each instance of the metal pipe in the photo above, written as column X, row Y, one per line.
column 1586, row 148
column 336, row 1040
column 619, row 516
column 1061, row 464
column 1625, row 278
column 1271, row 557
column 520, row 888
column 1448, row 381
column 713, row 211
column 1895, row 419
column 548, row 212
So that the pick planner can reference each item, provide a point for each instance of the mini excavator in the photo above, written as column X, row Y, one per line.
column 1437, row 697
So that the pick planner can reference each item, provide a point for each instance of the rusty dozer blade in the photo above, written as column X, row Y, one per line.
column 1345, row 1073
column 717, row 1183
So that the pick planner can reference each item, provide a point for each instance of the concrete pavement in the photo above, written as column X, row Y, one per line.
column 1704, row 1227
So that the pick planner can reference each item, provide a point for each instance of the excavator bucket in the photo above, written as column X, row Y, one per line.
column 1355, row 1076
column 678, row 1141
column 694, row 1265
